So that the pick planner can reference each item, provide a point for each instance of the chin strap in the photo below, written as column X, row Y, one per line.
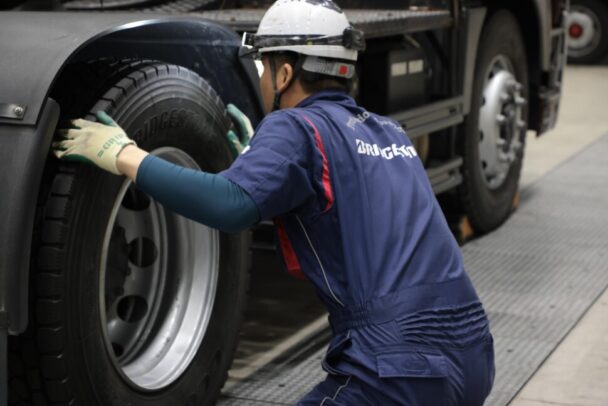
column 276, row 104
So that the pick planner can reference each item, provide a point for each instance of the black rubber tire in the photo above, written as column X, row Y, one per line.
column 62, row 358
column 600, row 8
column 487, row 209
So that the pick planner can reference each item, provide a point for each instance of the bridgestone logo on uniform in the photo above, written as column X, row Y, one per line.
column 388, row 153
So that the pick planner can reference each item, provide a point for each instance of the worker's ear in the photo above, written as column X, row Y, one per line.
column 284, row 77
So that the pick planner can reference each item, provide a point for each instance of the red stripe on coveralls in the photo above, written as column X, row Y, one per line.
column 289, row 254
column 329, row 193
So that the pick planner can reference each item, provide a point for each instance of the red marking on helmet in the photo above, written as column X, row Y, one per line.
column 343, row 70
column 576, row 30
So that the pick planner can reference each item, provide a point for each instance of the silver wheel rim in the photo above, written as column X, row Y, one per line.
column 591, row 31
column 158, row 275
column 501, row 124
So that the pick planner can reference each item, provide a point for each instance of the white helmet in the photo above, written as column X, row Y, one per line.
column 315, row 28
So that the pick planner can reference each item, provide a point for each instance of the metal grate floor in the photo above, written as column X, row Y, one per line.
column 536, row 275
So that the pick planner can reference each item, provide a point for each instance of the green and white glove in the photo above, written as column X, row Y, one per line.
column 91, row 142
column 244, row 130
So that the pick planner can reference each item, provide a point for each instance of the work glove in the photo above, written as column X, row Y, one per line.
column 95, row 143
column 244, row 130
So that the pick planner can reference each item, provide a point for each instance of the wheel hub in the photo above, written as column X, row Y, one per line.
column 575, row 31
column 117, row 268
column 583, row 31
column 501, row 127
column 159, row 273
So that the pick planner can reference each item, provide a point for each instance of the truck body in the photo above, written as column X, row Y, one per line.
column 466, row 79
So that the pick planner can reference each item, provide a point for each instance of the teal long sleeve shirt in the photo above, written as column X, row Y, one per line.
column 203, row 197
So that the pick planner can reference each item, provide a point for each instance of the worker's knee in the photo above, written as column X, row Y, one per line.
column 451, row 377
column 336, row 390
column 351, row 390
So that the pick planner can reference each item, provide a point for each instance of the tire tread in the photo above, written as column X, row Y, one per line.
column 38, row 372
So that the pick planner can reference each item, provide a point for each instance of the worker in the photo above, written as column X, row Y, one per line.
column 354, row 210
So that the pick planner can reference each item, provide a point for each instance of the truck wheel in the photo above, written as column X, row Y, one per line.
column 587, row 31
column 132, row 304
column 494, row 131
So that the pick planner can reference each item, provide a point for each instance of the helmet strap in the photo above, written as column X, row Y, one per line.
column 276, row 104
column 297, row 68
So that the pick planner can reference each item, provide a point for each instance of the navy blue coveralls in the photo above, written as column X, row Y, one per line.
column 356, row 214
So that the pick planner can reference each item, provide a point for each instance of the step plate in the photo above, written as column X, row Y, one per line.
column 537, row 275
column 375, row 23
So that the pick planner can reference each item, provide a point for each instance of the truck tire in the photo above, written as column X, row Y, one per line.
column 587, row 31
column 492, row 144
column 131, row 304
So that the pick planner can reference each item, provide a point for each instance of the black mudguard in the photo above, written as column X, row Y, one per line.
column 34, row 50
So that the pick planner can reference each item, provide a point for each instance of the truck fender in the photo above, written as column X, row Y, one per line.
column 543, row 8
column 474, row 26
column 32, row 62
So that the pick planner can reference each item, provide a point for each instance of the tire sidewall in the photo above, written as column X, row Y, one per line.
column 201, row 136
column 486, row 208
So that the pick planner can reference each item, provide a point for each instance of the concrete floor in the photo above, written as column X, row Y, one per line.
column 583, row 117
column 576, row 373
